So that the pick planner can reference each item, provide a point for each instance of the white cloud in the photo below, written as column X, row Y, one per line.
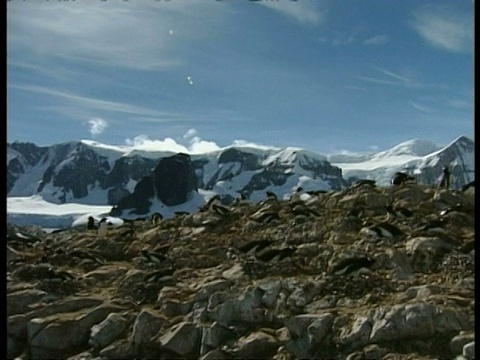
column 190, row 133
column 96, row 104
column 376, row 40
column 444, row 28
column 96, row 126
column 131, row 34
column 421, row 107
column 303, row 12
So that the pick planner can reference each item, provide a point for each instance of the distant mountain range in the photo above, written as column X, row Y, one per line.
column 139, row 182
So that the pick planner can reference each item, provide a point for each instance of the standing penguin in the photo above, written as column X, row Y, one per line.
column 91, row 223
column 445, row 180
column 102, row 228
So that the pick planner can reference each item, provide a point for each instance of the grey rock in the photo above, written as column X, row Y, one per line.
column 104, row 333
column 212, row 287
column 457, row 343
column 216, row 354
column 120, row 349
column 15, row 347
column 214, row 336
column 17, row 324
column 358, row 336
column 255, row 345
column 403, row 322
column 147, row 325
column 67, row 330
column 469, row 350
column 182, row 338
column 19, row 301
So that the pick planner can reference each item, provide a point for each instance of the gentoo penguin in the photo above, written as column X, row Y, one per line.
column 102, row 228
column 255, row 246
column 468, row 186
column 275, row 254
column 383, row 229
column 371, row 183
column 154, row 258
column 296, row 199
column 401, row 178
column 399, row 211
column 351, row 264
column 91, row 223
column 216, row 206
column 155, row 218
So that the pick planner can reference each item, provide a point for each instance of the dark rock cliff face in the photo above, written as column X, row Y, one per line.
column 171, row 181
column 174, row 178
column 127, row 168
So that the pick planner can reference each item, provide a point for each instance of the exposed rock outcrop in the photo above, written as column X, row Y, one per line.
column 236, row 285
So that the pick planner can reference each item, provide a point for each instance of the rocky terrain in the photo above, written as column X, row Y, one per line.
column 363, row 273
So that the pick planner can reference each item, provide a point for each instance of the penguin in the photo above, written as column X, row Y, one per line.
column 275, row 254
column 467, row 186
column 216, row 206
column 383, row 229
column 432, row 227
column 399, row 212
column 302, row 209
column 351, row 264
column 161, row 249
column 91, row 223
column 155, row 218
column 296, row 199
column 207, row 206
column 271, row 196
column 102, row 228
column 371, row 183
column 159, row 276
column 151, row 257
column 255, row 246
column 445, row 179
column 401, row 178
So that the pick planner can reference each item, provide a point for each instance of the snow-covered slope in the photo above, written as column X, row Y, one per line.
column 423, row 159
column 99, row 175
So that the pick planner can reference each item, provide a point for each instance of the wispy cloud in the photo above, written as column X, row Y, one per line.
column 138, row 35
column 96, row 104
column 303, row 12
column 444, row 27
column 96, row 126
column 389, row 77
column 421, row 107
column 376, row 40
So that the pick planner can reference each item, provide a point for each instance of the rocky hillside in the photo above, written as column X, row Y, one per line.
column 361, row 273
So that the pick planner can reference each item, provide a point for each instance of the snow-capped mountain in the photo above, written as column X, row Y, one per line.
column 86, row 172
column 91, row 173
column 422, row 159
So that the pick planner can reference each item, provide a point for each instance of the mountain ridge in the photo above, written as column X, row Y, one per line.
column 89, row 172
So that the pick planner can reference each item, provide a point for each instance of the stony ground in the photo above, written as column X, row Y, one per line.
column 364, row 273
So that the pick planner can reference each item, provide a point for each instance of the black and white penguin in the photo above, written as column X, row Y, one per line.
column 102, row 228
column 467, row 186
column 296, row 197
column 275, row 254
column 155, row 218
column 432, row 227
column 351, row 264
column 368, row 182
column 255, row 246
column 91, row 223
column 401, row 178
column 152, row 257
column 399, row 211
column 383, row 229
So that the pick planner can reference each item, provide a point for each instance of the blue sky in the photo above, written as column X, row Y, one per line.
column 325, row 75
